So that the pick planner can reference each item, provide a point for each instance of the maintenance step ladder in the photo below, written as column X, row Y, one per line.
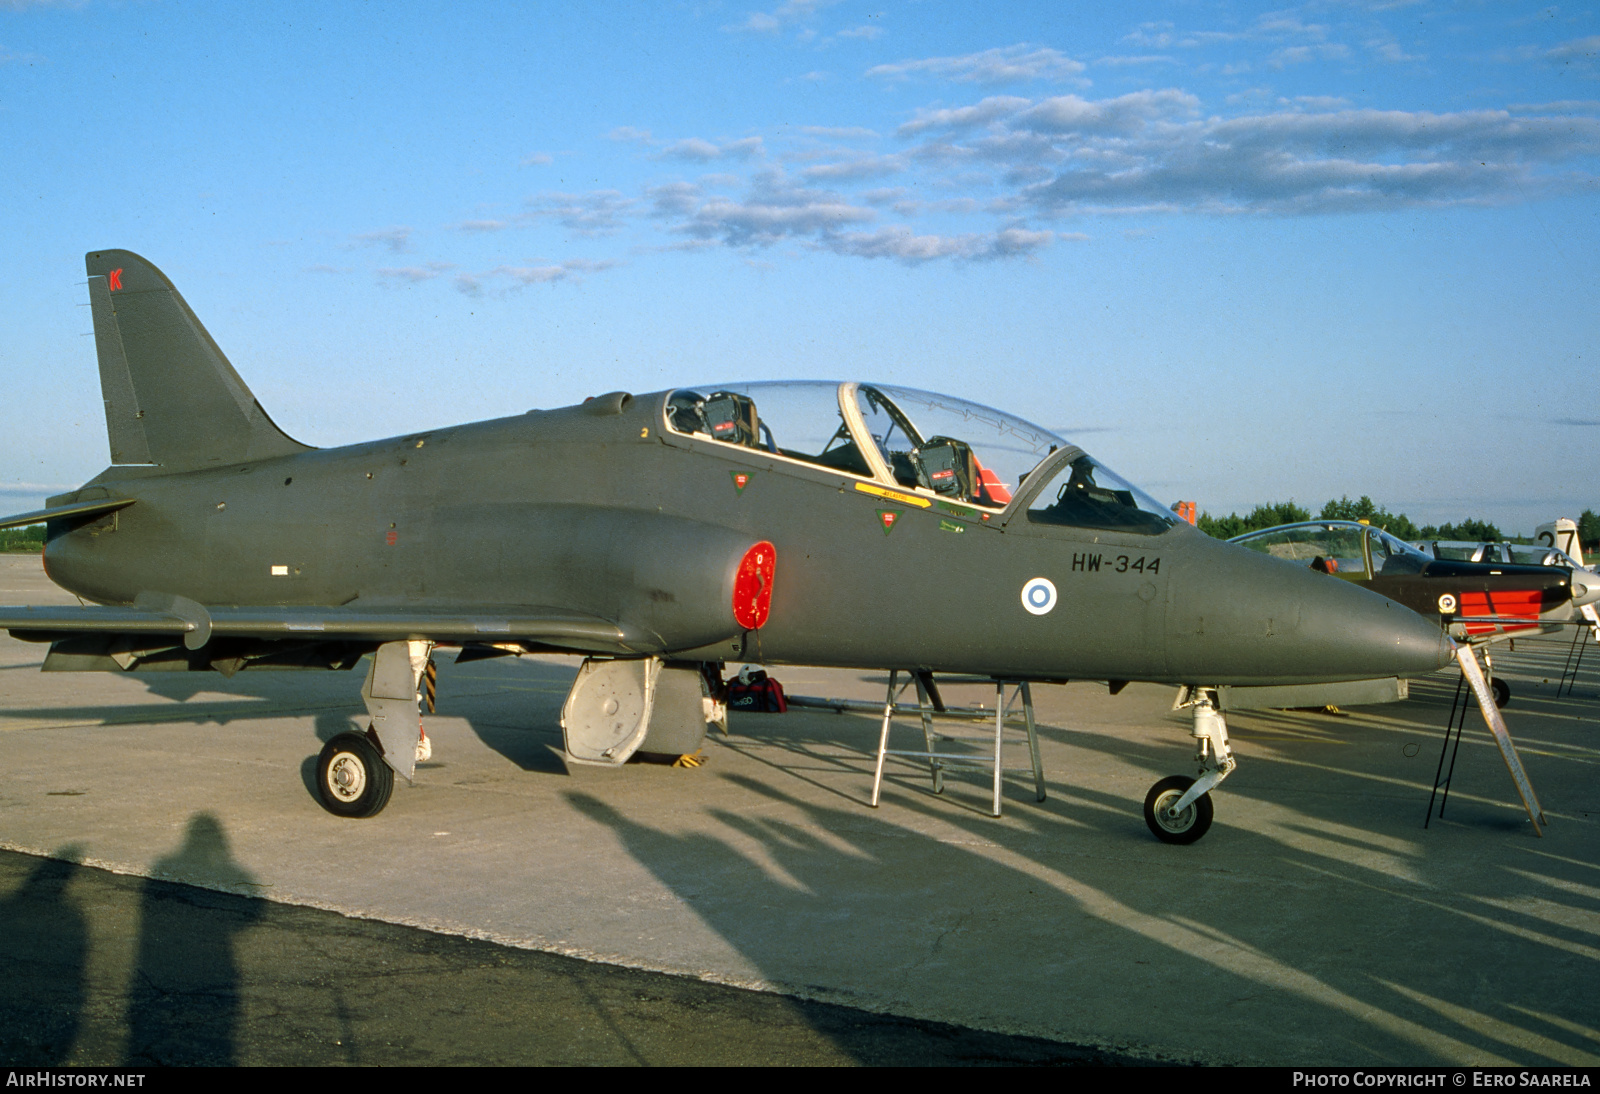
column 1569, row 671
column 1472, row 677
column 930, row 706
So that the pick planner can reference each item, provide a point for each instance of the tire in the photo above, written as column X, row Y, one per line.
column 1189, row 825
column 1502, row 691
column 352, row 779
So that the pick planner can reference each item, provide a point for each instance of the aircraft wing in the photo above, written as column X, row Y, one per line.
column 195, row 625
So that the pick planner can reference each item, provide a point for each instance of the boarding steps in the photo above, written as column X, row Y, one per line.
column 930, row 706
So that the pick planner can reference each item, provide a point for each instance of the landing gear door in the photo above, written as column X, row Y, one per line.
column 607, row 712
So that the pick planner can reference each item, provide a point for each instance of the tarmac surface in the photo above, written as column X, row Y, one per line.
column 1318, row 923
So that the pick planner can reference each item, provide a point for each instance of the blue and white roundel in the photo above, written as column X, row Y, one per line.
column 1039, row 595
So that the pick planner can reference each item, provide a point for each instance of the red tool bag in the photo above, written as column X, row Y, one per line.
column 753, row 690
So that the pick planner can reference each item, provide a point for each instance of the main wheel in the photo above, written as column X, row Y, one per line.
column 1187, row 826
column 352, row 779
column 1501, row 689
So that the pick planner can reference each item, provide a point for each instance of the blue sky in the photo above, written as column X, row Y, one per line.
column 1240, row 252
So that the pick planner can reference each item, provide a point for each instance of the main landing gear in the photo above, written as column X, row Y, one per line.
column 355, row 772
column 1178, row 808
column 352, row 779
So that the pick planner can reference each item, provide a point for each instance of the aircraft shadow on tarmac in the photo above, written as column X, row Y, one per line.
column 1277, row 969
column 1494, row 969
column 513, row 706
column 1497, row 971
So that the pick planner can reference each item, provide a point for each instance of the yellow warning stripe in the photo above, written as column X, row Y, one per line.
column 893, row 495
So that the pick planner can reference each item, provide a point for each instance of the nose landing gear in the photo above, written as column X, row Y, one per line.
column 1178, row 808
column 1176, row 826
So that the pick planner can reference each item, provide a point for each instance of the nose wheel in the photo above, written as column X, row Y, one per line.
column 1178, row 808
column 1502, row 691
column 1184, row 826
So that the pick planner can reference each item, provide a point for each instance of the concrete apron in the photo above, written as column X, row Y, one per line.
column 1317, row 922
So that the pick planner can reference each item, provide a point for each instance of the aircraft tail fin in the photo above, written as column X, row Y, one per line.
column 172, row 399
column 1562, row 534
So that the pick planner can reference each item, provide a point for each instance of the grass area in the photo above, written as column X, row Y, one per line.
column 30, row 539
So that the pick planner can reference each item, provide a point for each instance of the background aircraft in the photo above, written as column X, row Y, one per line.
column 1479, row 601
column 850, row 525
column 1517, row 554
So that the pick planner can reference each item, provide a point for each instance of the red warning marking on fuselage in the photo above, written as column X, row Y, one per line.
column 392, row 538
column 1521, row 604
column 115, row 279
column 752, row 586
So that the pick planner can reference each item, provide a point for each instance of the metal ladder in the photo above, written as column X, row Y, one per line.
column 1569, row 671
column 930, row 706
column 1472, row 675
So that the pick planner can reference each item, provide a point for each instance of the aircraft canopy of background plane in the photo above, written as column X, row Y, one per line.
column 1517, row 554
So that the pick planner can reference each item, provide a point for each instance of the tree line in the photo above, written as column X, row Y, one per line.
column 1364, row 508
column 30, row 538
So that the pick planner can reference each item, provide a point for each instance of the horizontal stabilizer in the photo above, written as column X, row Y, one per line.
column 545, row 626
column 61, row 512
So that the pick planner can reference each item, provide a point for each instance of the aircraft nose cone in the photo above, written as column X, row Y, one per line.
column 1262, row 620
column 1585, row 588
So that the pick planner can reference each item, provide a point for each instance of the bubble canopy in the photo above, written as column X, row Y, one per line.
column 899, row 436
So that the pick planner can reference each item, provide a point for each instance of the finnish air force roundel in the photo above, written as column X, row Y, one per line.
column 1039, row 596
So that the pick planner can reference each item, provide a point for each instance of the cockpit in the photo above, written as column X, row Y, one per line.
column 1347, row 549
column 935, row 446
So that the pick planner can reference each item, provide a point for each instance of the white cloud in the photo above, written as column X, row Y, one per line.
column 771, row 22
column 1561, row 106
column 1316, row 102
column 1294, row 162
column 1299, row 55
column 673, row 199
column 773, row 210
column 855, row 167
column 1577, row 49
column 1387, row 49
column 697, row 150
column 903, row 245
column 1141, row 59
column 966, row 117
column 597, row 213
column 396, row 239
column 537, row 159
column 519, row 277
column 1013, row 64
column 414, row 274
column 840, row 132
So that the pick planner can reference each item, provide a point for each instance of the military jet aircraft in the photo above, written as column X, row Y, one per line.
column 1479, row 601
column 837, row 524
